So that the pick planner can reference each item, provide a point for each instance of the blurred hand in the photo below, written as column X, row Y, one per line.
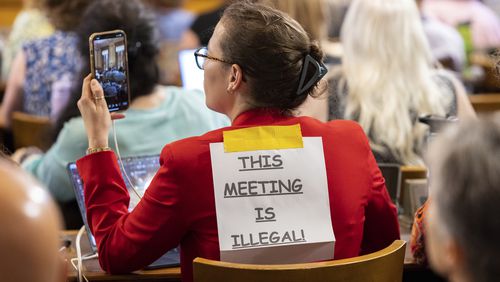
column 95, row 114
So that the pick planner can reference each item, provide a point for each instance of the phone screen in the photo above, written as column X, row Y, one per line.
column 109, row 65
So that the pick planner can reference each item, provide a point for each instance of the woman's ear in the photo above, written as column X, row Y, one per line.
column 235, row 78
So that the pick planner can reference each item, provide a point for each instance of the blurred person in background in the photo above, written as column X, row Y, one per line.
column 386, row 82
column 30, row 24
column 337, row 9
column 30, row 230
column 157, row 114
column 172, row 21
column 42, row 73
column 202, row 28
column 484, row 23
column 312, row 15
column 446, row 43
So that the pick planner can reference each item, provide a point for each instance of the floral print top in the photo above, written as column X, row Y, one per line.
column 48, row 61
column 417, row 242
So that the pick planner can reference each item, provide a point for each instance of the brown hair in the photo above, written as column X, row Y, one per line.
column 65, row 14
column 309, row 13
column 270, row 47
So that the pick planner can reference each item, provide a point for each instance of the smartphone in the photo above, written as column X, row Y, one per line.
column 109, row 65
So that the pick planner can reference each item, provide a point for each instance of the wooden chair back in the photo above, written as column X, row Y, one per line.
column 29, row 130
column 410, row 172
column 485, row 103
column 383, row 266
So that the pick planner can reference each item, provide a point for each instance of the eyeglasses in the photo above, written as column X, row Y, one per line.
column 201, row 55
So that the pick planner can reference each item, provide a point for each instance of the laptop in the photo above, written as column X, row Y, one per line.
column 191, row 75
column 140, row 170
column 392, row 176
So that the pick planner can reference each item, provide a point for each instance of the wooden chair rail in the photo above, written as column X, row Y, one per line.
column 485, row 103
column 29, row 130
column 385, row 265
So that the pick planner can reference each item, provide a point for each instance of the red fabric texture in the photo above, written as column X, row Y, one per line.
column 179, row 206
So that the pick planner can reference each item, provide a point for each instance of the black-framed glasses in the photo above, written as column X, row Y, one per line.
column 201, row 55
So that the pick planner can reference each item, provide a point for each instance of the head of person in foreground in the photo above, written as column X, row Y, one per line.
column 463, row 226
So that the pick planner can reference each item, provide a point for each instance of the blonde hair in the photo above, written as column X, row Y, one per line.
column 387, row 65
column 309, row 13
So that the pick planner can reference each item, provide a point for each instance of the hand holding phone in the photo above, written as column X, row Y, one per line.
column 109, row 65
column 95, row 114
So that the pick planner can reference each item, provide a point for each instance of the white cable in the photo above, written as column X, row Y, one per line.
column 79, row 258
column 79, row 253
column 121, row 163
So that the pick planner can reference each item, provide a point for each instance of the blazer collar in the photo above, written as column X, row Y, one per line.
column 259, row 116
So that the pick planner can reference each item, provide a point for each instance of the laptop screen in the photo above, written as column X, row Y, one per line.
column 191, row 75
column 392, row 175
column 141, row 171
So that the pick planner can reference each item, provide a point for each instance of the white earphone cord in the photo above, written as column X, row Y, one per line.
column 79, row 258
column 121, row 163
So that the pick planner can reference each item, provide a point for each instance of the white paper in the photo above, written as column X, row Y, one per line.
column 272, row 205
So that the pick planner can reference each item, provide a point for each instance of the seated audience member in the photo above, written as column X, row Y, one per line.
column 447, row 46
column 171, row 19
column 202, row 28
column 41, row 75
column 30, row 230
column 252, row 73
column 337, row 10
column 484, row 23
column 30, row 24
column 463, row 226
column 157, row 114
column 386, row 82
column 311, row 15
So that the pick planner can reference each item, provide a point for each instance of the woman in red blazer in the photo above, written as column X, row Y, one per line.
column 259, row 66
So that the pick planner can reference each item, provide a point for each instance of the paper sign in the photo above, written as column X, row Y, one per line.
column 272, row 205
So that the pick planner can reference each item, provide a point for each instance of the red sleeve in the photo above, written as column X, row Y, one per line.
column 130, row 241
column 381, row 226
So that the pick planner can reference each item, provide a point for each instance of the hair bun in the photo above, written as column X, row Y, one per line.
column 315, row 51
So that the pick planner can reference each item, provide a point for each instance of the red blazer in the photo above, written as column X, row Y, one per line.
column 179, row 206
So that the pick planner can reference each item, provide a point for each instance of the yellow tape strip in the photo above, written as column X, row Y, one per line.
column 263, row 138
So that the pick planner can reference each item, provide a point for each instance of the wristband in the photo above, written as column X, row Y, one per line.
column 97, row 149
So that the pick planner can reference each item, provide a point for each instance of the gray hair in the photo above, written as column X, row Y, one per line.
column 465, row 165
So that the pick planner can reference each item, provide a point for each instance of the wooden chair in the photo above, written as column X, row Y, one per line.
column 409, row 172
column 29, row 130
column 485, row 103
column 489, row 81
column 383, row 266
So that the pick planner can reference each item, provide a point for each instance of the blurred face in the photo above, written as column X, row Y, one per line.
column 433, row 239
column 217, row 75
column 445, row 256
